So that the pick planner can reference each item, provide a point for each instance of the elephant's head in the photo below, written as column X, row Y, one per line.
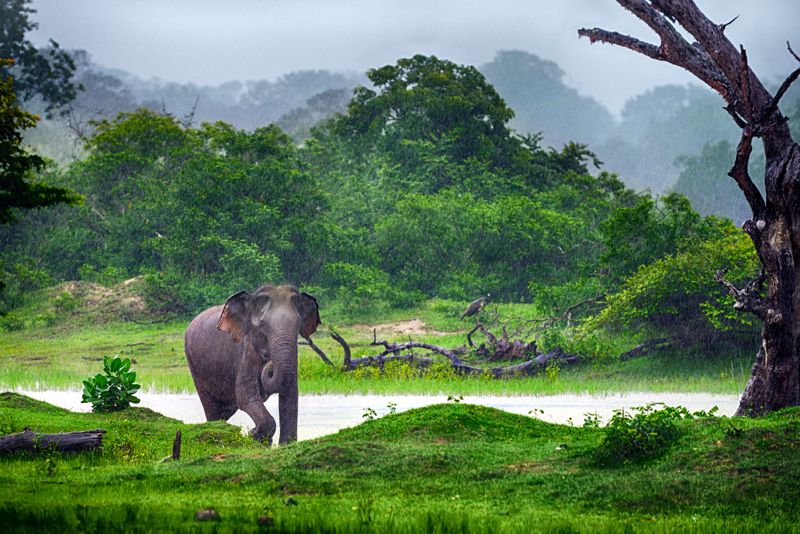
column 269, row 309
column 273, row 317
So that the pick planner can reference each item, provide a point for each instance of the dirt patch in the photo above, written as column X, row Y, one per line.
column 410, row 327
column 99, row 302
column 530, row 467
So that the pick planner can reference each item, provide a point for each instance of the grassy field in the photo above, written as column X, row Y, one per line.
column 61, row 354
column 444, row 468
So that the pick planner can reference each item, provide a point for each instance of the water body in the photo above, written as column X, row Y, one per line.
column 327, row 414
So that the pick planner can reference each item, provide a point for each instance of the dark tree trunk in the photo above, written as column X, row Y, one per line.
column 775, row 226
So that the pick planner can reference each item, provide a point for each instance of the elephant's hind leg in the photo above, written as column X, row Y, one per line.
column 218, row 412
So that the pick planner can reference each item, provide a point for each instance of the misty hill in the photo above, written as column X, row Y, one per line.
column 534, row 88
column 295, row 100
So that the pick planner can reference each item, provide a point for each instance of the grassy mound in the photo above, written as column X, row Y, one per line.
column 444, row 468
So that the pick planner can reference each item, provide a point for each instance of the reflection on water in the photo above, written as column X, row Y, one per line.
column 327, row 414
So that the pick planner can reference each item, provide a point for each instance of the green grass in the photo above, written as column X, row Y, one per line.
column 444, row 468
column 62, row 354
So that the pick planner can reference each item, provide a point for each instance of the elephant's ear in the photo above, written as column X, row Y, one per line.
column 235, row 317
column 309, row 314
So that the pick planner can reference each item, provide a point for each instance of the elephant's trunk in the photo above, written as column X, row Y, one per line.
column 282, row 370
column 283, row 381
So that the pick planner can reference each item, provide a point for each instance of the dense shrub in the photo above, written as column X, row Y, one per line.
column 640, row 433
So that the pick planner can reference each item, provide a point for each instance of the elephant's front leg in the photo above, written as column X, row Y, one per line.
column 288, row 397
column 287, row 411
column 250, row 400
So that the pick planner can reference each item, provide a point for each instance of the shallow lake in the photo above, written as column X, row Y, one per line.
column 327, row 414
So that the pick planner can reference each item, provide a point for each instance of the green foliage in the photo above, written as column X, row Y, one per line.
column 552, row 370
column 114, row 389
column 425, row 97
column 18, row 187
column 678, row 292
column 645, row 434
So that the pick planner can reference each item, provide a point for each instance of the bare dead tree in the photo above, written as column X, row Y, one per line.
column 775, row 224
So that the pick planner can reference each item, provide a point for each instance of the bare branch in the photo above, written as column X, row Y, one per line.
column 318, row 350
column 792, row 51
column 722, row 27
column 741, row 175
column 773, row 105
column 744, row 83
column 398, row 347
column 346, row 360
column 619, row 39
column 748, row 298
column 649, row 346
column 740, row 122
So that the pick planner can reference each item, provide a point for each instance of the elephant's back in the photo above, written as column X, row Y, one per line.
column 210, row 353
column 202, row 331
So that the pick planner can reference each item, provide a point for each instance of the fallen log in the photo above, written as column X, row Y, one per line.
column 528, row 368
column 64, row 442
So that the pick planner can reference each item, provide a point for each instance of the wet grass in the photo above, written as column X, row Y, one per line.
column 61, row 355
column 444, row 468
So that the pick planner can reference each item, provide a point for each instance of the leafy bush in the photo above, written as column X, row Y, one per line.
column 633, row 437
column 678, row 292
column 113, row 390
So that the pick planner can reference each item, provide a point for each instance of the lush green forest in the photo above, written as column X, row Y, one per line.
column 420, row 189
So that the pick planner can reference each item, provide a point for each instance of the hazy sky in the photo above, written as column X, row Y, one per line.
column 213, row 41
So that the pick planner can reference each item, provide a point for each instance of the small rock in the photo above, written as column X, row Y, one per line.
column 265, row 521
column 206, row 514
column 290, row 502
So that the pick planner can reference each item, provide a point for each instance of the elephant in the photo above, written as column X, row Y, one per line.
column 242, row 352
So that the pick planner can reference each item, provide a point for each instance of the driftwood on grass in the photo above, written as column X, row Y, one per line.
column 318, row 350
column 501, row 349
column 403, row 352
column 64, row 442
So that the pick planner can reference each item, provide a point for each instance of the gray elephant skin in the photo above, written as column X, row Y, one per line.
column 242, row 352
